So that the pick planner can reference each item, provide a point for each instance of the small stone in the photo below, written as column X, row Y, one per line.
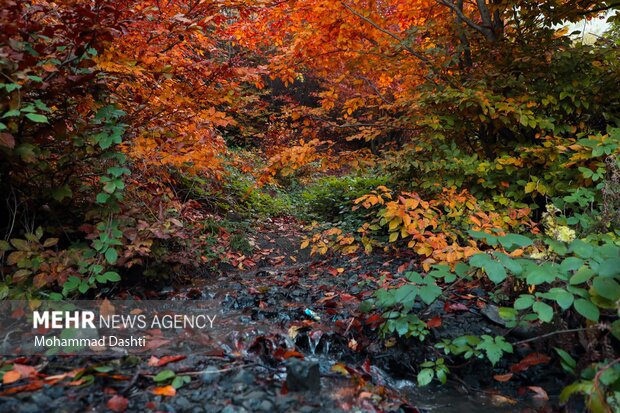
column 210, row 375
column 303, row 376
column 183, row 403
column 265, row 406
column 244, row 377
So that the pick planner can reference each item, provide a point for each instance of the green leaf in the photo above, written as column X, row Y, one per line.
column 571, row 264
column 4, row 246
column 488, row 238
column 164, row 375
column 544, row 311
column 615, row 329
column 560, row 296
column 523, row 302
column 609, row 267
column 61, row 193
column 587, row 309
column 112, row 276
column 581, row 248
column 179, row 381
column 568, row 363
column 511, row 240
column 542, row 274
column 102, row 197
column 425, row 376
column 111, row 255
column 429, row 293
column 607, row 288
column 577, row 387
column 581, row 276
column 494, row 347
column 511, row 265
column 35, row 117
column 558, row 247
column 11, row 113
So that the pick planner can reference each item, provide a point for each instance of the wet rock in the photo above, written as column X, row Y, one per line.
column 183, row 403
column 28, row 408
column 244, row 377
column 265, row 406
column 233, row 409
column 41, row 399
column 210, row 375
column 303, row 376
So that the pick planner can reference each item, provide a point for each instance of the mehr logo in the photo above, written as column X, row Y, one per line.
column 63, row 319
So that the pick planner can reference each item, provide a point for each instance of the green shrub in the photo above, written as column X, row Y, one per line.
column 330, row 198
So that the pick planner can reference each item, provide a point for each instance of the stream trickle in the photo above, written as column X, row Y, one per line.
column 240, row 327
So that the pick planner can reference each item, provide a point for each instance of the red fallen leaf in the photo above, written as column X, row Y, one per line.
column 374, row 320
column 150, row 405
column 503, row 377
column 284, row 389
column 164, row 391
column 528, row 361
column 32, row 386
column 366, row 366
column 403, row 267
column 333, row 271
column 455, row 307
column 118, row 404
column 541, row 394
column 346, row 297
column 434, row 322
column 293, row 353
column 169, row 359
column 11, row 377
column 18, row 312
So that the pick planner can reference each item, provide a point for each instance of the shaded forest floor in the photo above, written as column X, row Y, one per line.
column 292, row 339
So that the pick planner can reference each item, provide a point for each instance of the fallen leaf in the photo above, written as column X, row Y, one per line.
column 11, row 376
column 434, row 322
column 340, row 368
column 528, row 361
column 164, row 391
column 499, row 400
column 293, row 353
column 503, row 377
column 168, row 359
column 106, row 308
column 7, row 140
column 118, row 404
column 541, row 394
column 24, row 370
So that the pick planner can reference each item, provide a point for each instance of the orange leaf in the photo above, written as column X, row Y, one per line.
column 293, row 353
column 164, row 391
column 169, row 359
column 528, row 361
column 118, row 404
column 11, row 377
column 434, row 322
column 503, row 377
